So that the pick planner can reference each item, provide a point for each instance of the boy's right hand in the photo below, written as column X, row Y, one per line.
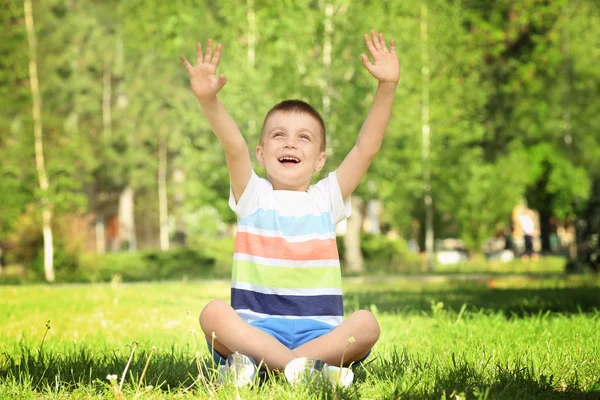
column 203, row 78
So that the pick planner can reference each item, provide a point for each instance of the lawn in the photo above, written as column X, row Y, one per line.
column 442, row 337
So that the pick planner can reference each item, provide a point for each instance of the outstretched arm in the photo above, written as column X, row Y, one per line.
column 386, row 69
column 205, row 86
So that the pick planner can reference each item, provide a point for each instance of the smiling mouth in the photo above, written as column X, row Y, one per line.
column 289, row 160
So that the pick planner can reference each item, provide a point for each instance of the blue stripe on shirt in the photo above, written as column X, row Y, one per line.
column 289, row 225
column 283, row 305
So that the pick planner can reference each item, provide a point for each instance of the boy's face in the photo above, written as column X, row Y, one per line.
column 290, row 150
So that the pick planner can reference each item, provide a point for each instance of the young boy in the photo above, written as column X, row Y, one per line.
column 286, row 296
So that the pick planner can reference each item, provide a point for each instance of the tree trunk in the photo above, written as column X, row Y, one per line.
column 353, row 259
column 425, row 129
column 127, row 237
column 566, row 91
column 106, row 132
column 251, row 19
column 100, row 234
column 39, row 145
column 106, row 96
column 162, row 193
column 178, row 179
column 544, row 228
column 328, row 32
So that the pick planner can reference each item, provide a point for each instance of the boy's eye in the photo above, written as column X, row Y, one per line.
column 305, row 137
column 277, row 134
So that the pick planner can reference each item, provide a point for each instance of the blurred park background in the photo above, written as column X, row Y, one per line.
column 108, row 170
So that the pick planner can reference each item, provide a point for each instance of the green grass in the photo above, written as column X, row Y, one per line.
column 477, row 264
column 443, row 337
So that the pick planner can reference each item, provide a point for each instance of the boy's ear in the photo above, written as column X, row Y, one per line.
column 260, row 156
column 321, row 161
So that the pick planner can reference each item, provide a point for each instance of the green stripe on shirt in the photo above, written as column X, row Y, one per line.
column 286, row 277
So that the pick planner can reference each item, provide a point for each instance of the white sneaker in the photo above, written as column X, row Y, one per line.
column 305, row 369
column 240, row 367
column 337, row 376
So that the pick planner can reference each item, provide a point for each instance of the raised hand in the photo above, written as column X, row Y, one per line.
column 203, row 78
column 385, row 67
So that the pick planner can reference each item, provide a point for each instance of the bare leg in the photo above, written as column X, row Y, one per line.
column 234, row 334
column 361, row 325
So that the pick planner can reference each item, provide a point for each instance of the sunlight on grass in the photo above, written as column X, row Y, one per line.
column 492, row 338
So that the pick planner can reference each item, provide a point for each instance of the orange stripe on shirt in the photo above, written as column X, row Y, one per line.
column 276, row 247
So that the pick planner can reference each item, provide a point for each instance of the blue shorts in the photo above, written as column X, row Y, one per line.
column 292, row 333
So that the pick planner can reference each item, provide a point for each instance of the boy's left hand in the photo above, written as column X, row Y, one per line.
column 385, row 67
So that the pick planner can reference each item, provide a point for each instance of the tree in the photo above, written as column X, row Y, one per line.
column 17, row 173
column 525, row 47
column 39, row 145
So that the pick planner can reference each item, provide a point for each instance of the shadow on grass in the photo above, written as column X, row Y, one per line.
column 172, row 372
column 479, row 296
column 83, row 366
column 409, row 376
column 395, row 374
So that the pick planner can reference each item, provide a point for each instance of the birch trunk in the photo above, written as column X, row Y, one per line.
column 39, row 145
column 106, row 97
column 328, row 32
column 251, row 19
column 353, row 259
column 163, row 208
column 178, row 179
column 425, row 129
column 106, row 132
column 126, row 219
column 126, row 197
column 100, row 234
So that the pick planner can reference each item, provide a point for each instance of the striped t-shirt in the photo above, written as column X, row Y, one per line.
column 285, row 262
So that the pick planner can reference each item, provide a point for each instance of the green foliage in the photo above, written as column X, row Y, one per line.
column 512, row 96
column 535, row 104
column 385, row 255
column 17, row 173
column 149, row 265
column 493, row 190
column 66, row 261
column 558, row 182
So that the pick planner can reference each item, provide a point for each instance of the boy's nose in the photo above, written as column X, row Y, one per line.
column 290, row 143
